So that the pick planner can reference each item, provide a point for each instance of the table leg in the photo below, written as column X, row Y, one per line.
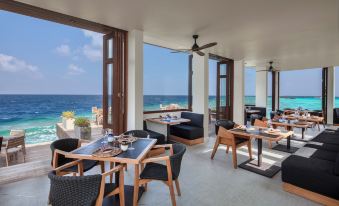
column 318, row 123
column 302, row 133
column 136, row 185
column 288, row 142
column 259, row 152
column 168, row 132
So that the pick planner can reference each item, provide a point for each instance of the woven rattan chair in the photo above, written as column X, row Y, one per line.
column 166, row 173
column 13, row 146
column 227, row 124
column 84, row 190
column 224, row 137
column 60, row 147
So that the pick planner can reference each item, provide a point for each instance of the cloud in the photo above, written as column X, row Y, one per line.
column 75, row 70
column 63, row 50
column 93, row 51
column 13, row 64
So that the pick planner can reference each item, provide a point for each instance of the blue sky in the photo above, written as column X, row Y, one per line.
column 42, row 57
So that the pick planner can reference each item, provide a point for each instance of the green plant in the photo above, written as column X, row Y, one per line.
column 82, row 122
column 68, row 114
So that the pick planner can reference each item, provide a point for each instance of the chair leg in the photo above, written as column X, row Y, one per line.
column 177, row 185
column 234, row 156
column 7, row 160
column 171, row 188
column 270, row 144
column 121, row 189
column 102, row 167
column 136, row 185
column 249, row 147
column 216, row 144
column 111, row 165
column 227, row 149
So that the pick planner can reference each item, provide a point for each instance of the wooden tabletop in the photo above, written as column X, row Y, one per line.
column 290, row 124
column 142, row 147
column 168, row 122
column 303, row 118
column 261, row 134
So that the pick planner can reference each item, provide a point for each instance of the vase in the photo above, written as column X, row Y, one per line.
column 82, row 132
column 68, row 123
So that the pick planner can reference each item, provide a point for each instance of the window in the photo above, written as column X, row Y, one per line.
column 301, row 88
column 166, row 79
column 336, row 87
column 250, row 75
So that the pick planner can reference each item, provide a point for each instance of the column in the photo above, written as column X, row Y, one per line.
column 239, row 92
column 200, row 87
column 330, row 94
column 135, row 80
column 261, row 87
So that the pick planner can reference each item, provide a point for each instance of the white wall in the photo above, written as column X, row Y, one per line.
column 330, row 94
column 135, row 80
column 200, row 87
column 239, row 92
column 261, row 87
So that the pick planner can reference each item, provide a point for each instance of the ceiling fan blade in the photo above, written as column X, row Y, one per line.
column 200, row 53
column 180, row 51
column 207, row 46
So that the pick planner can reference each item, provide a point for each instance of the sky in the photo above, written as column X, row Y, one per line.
column 42, row 57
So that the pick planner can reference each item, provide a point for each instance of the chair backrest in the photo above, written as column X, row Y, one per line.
column 17, row 132
column 260, row 123
column 74, row 190
column 15, row 141
column 66, row 145
column 137, row 133
column 197, row 120
column 227, row 124
column 178, row 152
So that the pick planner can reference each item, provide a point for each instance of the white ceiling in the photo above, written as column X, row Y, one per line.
column 295, row 33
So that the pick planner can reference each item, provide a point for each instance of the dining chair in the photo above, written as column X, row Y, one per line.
column 166, row 173
column 84, row 190
column 225, row 123
column 263, row 124
column 13, row 146
column 224, row 137
column 61, row 147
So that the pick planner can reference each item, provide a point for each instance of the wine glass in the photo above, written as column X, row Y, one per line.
column 131, row 141
column 105, row 139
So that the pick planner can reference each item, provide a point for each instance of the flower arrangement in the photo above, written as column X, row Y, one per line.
column 68, row 114
column 82, row 122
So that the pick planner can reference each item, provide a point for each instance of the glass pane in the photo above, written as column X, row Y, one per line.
column 109, row 92
column 223, row 69
column 223, row 93
column 110, row 48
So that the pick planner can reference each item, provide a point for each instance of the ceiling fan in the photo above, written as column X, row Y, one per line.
column 270, row 68
column 195, row 47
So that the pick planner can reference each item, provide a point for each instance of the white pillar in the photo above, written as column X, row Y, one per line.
column 239, row 92
column 330, row 94
column 261, row 87
column 200, row 87
column 135, row 80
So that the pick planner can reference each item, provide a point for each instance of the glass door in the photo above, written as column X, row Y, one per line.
column 224, row 97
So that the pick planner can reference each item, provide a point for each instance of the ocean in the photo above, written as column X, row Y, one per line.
column 38, row 114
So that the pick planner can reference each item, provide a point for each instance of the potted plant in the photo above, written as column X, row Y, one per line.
column 82, row 128
column 68, row 119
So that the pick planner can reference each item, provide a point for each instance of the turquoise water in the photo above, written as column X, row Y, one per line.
column 38, row 114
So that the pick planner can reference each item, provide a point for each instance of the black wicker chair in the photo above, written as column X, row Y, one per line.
column 227, row 124
column 138, row 133
column 166, row 173
column 83, row 190
column 62, row 146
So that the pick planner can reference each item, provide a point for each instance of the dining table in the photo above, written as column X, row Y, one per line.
column 290, row 124
column 131, row 156
column 261, row 134
column 315, row 119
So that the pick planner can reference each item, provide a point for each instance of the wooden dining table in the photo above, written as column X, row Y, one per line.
column 260, row 134
column 290, row 124
column 315, row 119
column 141, row 147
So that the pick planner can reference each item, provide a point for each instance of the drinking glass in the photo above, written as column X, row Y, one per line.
column 131, row 147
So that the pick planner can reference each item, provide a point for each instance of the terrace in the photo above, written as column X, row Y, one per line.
column 294, row 151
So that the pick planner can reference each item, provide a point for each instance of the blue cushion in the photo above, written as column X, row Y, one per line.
column 187, row 131
column 197, row 120
column 336, row 166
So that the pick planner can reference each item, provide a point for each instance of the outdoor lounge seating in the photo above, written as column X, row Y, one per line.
column 62, row 146
column 166, row 173
column 13, row 146
column 313, row 171
column 226, row 138
column 189, row 133
column 84, row 190
column 336, row 116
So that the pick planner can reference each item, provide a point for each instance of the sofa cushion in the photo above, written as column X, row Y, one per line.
column 311, row 174
column 314, row 153
column 187, row 131
column 197, row 120
column 336, row 166
column 323, row 146
column 328, row 138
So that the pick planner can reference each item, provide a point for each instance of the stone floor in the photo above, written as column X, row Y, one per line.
column 203, row 181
